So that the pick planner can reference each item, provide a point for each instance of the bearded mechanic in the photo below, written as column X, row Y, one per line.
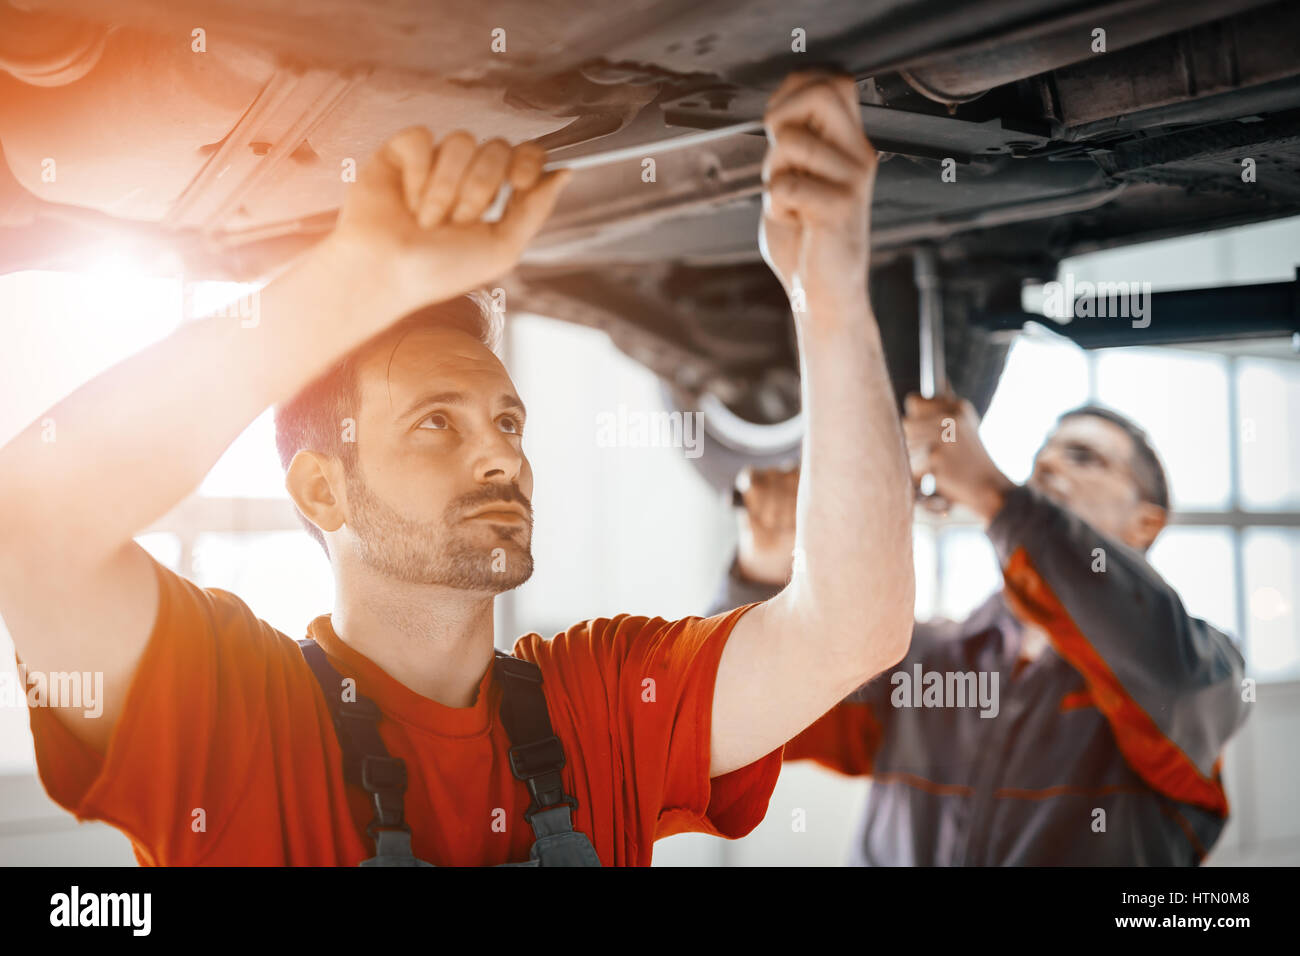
column 212, row 715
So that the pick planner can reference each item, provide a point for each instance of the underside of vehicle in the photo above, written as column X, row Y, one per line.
column 215, row 139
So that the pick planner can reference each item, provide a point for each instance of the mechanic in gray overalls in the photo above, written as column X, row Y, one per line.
column 1100, row 741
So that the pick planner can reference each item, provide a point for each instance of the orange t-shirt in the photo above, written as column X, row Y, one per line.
column 223, row 716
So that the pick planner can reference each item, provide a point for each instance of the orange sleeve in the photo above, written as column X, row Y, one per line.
column 194, row 712
column 644, row 689
column 845, row 739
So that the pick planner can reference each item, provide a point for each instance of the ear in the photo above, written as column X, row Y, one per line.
column 312, row 481
column 1147, row 522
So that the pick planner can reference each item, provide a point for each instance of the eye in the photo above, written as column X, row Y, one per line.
column 436, row 421
column 511, row 424
column 1082, row 455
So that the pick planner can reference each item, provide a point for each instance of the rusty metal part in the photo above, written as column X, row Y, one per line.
column 1218, row 58
column 1058, row 42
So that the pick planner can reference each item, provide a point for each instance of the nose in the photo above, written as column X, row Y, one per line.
column 1051, row 472
column 1050, row 460
column 498, row 458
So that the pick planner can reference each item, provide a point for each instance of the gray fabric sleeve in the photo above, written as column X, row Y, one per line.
column 1185, row 674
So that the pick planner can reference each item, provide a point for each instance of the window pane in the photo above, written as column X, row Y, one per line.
column 1197, row 563
column 1045, row 375
column 1269, row 400
column 1181, row 400
column 969, row 571
column 282, row 575
column 1260, row 252
column 617, row 529
column 1272, row 572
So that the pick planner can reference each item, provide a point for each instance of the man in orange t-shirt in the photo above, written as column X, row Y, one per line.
column 401, row 434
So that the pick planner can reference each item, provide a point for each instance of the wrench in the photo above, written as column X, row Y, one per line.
column 625, row 153
column 934, row 373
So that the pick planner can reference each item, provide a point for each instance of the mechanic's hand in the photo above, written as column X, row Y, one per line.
column 415, row 212
column 818, row 179
column 765, row 552
column 943, row 440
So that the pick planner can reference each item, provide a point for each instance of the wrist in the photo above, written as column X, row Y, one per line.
column 831, row 315
column 365, row 281
column 992, row 497
column 844, row 293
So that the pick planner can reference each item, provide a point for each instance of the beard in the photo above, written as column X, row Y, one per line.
column 471, row 556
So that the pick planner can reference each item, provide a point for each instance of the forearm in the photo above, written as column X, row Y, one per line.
column 131, row 443
column 856, row 579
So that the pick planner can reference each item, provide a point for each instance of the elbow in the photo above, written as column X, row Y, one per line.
column 897, row 640
column 898, row 616
column 865, row 609
column 891, row 605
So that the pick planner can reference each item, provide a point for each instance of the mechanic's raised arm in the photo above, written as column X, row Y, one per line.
column 76, row 593
column 846, row 614
column 1124, row 629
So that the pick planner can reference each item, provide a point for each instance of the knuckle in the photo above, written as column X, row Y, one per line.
column 799, row 144
column 411, row 136
column 494, row 154
column 788, row 183
column 821, row 94
column 459, row 138
column 437, row 197
column 480, row 180
column 528, row 157
column 457, row 146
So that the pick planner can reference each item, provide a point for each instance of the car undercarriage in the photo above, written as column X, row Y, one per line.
column 216, row 141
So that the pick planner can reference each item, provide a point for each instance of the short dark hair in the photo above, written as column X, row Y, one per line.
column 313, row 418
column 1149, row 473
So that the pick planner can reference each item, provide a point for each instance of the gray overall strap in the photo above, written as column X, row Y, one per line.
column 366, row 762
column 537, row 757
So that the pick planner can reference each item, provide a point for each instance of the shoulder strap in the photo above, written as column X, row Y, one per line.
column 536, row 754
column 366, row 761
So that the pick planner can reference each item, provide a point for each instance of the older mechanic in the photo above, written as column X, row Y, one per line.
column 1111, row 704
